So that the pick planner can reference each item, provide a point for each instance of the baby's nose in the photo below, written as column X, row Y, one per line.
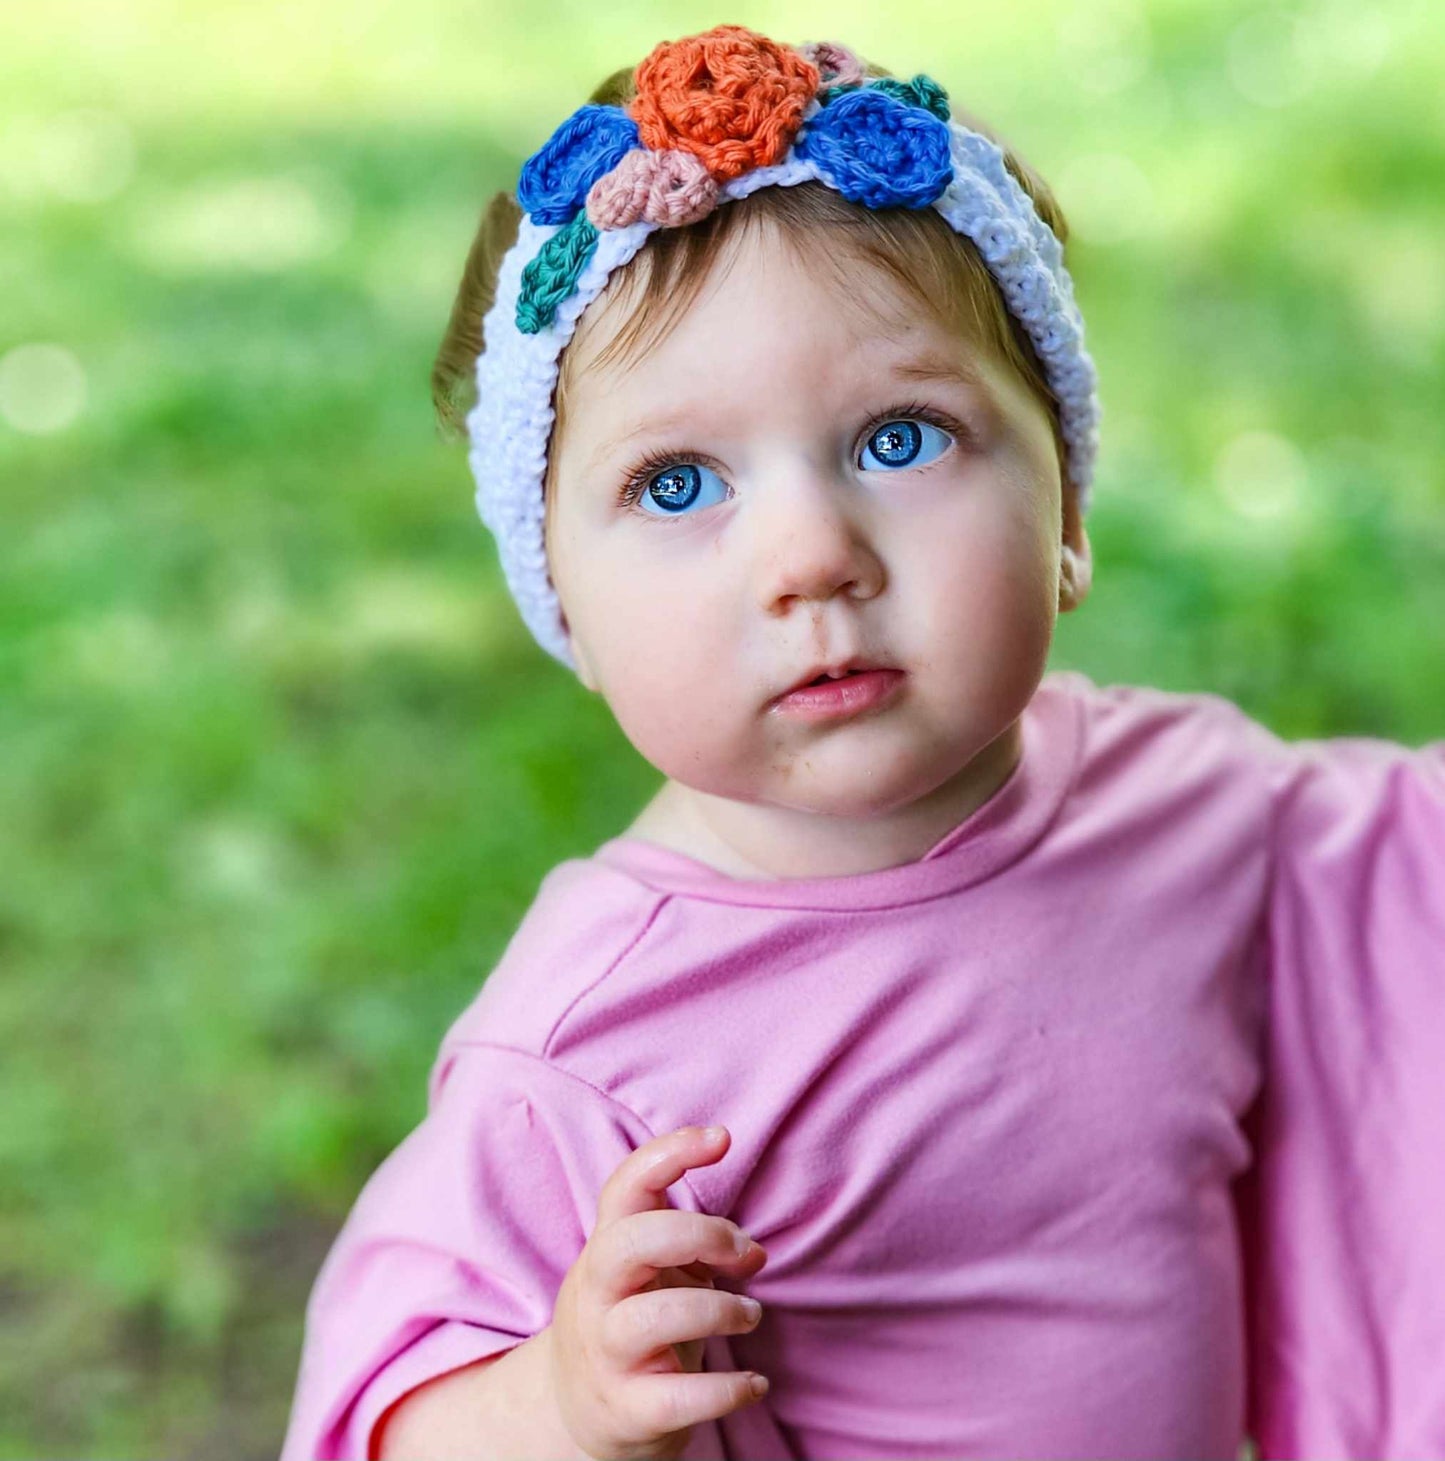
column 812, row 541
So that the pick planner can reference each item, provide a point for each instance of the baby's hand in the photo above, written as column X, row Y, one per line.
column 632, row 1313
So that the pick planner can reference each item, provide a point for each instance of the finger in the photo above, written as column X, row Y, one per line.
column 661, row 1404
column 704, row 1275
column 646, row 1324
column 627, row 1255
column 640, row 1181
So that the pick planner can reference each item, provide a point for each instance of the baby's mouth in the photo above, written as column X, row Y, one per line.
column 842, row 669
column 840, row 694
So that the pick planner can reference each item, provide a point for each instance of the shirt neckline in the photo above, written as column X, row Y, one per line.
column 990, row 838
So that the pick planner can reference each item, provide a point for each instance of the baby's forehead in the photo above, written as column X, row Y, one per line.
column 763, row 294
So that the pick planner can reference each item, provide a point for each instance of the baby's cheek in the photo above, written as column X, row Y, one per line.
column 687, row 739
column 674, row 695
column 986, row 610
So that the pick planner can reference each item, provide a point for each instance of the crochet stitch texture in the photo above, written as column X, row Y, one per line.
column 715, row 117
column 554, row 180
column 878, row 150
column 668, row 188
column 731, row 96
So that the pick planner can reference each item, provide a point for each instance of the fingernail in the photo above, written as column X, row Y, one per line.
column 742, row 1242
column 758, row 1384
column 751, row 1308
column 712, row 1133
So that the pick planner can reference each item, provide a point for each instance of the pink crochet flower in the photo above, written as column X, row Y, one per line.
column 668, row 188
column 837, row 65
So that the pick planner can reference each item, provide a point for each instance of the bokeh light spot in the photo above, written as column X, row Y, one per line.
column 1265, row 60
column 42, row 388
column 1105, row 48
column 1108, row 198
column 1261, row 475
column 84, row 156
column 261, row 223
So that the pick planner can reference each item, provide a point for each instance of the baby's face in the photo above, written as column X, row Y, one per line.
column 779, row 525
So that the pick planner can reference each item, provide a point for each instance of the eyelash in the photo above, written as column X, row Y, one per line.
column 634, row 482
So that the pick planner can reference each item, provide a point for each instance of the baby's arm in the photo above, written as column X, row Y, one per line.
column 1344, row 1254
column 497, row 1409
column 622, row 1357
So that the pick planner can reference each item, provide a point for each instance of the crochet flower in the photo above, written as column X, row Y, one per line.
column 668, row 188
column 730, row 96
column 879, row 151
column 837, row 65
column 555, row 179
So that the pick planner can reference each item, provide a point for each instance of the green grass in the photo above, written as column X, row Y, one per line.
column 281, row 766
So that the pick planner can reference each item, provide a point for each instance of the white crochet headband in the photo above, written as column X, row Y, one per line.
column 714, row 118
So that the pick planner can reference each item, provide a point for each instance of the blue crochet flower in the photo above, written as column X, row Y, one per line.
column 554, row 180
column 879, row 151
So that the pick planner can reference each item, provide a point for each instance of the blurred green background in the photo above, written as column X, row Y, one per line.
column 281, row 767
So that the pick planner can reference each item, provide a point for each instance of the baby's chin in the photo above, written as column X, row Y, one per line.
column 847, row 787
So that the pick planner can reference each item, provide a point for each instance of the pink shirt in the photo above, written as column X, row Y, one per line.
column 1113, row 1126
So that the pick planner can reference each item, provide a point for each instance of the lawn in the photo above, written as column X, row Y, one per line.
column 281, row 766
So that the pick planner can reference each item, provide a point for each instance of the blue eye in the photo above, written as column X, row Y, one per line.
column 905, row 443
column 676, row 488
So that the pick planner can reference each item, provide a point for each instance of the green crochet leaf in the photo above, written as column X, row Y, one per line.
column 922, row 91
column 550, row 277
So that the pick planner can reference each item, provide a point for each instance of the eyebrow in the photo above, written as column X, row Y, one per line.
column 950, row 370
column 657, row 425
column 924, row 369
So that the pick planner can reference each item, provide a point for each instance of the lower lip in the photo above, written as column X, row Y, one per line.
column 834, row 699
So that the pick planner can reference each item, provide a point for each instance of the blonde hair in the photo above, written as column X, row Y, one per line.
column 914, row 247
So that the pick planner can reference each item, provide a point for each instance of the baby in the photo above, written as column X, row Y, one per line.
column 1074, row 1050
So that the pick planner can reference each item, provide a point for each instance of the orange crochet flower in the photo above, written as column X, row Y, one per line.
column 730, row 96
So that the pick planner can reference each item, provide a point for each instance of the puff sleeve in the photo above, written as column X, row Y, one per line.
column 458, row 1243
column 1342, row 1216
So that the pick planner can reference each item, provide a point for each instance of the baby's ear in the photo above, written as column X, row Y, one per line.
column 585, row 672
column 1076, row 557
